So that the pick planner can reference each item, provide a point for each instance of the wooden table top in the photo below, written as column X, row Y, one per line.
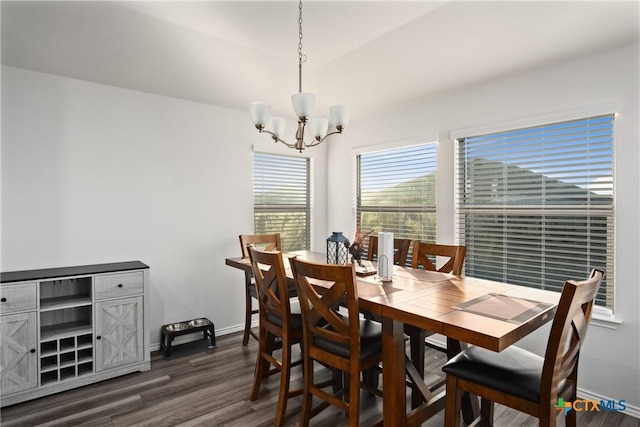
column 486, row 313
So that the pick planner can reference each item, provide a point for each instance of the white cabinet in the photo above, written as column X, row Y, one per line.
column 67, row 327
column 18, row 358
column 119, row 333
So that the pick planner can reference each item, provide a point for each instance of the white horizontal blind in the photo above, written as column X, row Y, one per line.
column 396, row 192
column 281, row 198
column 535, row 205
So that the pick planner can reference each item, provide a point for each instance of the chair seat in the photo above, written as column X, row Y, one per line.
column 295, row 319
column 513, row 371
column 370, row 341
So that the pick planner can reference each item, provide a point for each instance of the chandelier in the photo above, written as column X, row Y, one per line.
column 303, row 105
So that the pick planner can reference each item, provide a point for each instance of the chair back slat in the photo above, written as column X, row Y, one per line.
column 579, row 324
column 568, row 331
column 264, row 242
column 400, row 254
column 320, row 314
column 271, row 282
column 455, row 253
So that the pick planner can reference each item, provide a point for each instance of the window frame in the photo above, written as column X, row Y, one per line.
column 305, row 208
column 359, row 209
column 605, row 312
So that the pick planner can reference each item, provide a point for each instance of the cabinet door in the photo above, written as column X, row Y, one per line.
column 18, row 355
column 119, row 333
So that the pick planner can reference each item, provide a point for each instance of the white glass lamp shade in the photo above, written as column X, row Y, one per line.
column 319, row 127
column 276, row 125
column 339, row 115
column 303, row 103
column 260, row 113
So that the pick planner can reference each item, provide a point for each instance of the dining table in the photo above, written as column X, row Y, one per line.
column 466, row 310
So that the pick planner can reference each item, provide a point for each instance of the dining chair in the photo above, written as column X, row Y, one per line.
column 400, row 255
column 521, row 379
column 336, row 338
column 423, row 253
column 278, row 319
column 268, row 242
column 424, row 256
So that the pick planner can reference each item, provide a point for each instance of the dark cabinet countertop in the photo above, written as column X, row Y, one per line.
column 81, row 270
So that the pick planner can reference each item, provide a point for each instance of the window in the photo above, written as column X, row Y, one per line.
column 281, row 198
column 535, row 205
column 396, row 192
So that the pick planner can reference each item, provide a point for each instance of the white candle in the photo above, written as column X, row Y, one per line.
column 385, row 255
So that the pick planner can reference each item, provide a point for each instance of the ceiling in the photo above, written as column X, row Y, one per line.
column 371, row 55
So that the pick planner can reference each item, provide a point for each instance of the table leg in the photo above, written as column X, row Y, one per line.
column 393, row 378
column 469, row 404
column 416, row 340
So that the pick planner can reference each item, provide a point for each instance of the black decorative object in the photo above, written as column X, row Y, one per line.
column 357, row 247
column 337, row 248
column 356, row 252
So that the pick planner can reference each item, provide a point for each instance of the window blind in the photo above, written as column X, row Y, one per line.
column 535, row 205
column 396, row 192
column 282, row 198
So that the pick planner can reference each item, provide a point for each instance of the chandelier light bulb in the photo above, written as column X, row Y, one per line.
column 277, row 125
column 339, row 116
column 260, row 113
column 303, row 104
column 319, row 127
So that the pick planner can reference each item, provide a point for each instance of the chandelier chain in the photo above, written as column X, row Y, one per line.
column 301, row 57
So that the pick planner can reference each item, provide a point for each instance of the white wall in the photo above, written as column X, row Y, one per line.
column 610, row 360
column 96, row 174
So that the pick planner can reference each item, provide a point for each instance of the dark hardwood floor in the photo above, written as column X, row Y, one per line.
column 211, row 388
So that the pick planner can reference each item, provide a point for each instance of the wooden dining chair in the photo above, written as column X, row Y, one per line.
column 400, row 255
column 523, row 380
column 338, row 339
column 424, row 256
column 277, row 320
column 268, row 242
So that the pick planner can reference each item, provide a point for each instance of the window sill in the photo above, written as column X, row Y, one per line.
column 604, row 318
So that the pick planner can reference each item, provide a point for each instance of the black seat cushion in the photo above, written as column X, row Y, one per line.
column 295, row 320
column 514, row 371
column 370, row 341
